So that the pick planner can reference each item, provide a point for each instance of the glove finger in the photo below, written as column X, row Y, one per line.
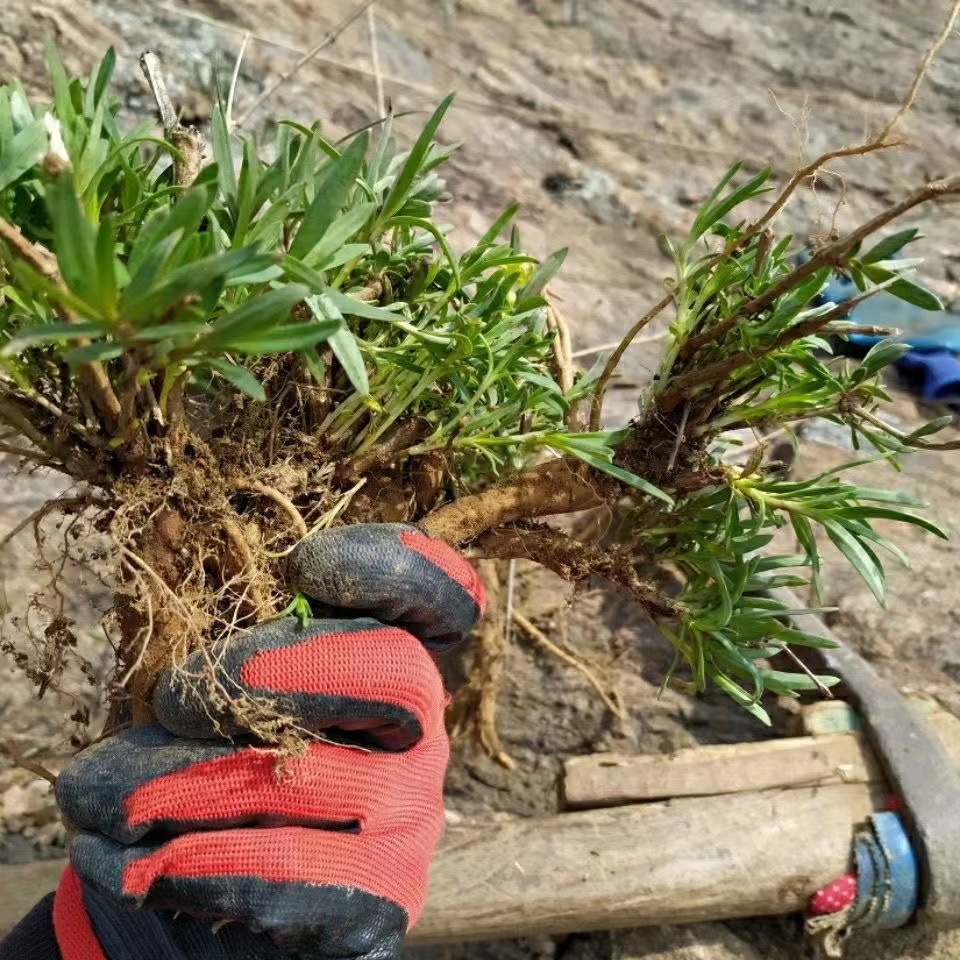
column 396, row 573
column 95, row 790
column 158, row 935
column 146, row 783
column 305, row 888
column 355, row 675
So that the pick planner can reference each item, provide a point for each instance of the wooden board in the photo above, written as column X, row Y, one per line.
column 703, row 858
column 22, row 885
column 682, row 861
column 611, row 779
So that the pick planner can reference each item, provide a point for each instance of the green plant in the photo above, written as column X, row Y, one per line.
column 228, row 355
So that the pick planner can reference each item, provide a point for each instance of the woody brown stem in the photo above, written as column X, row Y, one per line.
column 574, row 561
column 550, row 488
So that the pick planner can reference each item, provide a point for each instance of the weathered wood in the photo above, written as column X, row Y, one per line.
column 682, row 861
column 919, row 767
column 677, row 862
column 21, row 886
column 612, row 779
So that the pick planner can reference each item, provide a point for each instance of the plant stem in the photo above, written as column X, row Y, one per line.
column 596, row 406
column 556, row 486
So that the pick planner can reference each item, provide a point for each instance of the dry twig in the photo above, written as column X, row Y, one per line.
column 613, row 361
column 328, row 40
column 16, row 757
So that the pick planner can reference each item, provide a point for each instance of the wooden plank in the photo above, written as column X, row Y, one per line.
column 612, row 779
column 737, row 855
column 677, row 862
column 22, row 885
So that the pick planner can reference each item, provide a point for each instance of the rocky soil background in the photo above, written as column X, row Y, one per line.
column 610, row 128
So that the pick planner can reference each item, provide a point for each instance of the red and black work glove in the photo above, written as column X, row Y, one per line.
column 322, row 854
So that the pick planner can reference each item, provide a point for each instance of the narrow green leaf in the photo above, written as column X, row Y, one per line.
column 345, row 349
column 338, row 233
column 740, row 696
column 543, row 274
column 332, row 193
column 632, row 480
column 344, row 254
column 75, row 239
column 931, row 427
column 898, row 516
column 916, row 294
column 890, row 246
column 62, row 100
column 240, row 377
column 316, row 366
column 498, row 226
column 414, row 162
column 250, row 170
column 860, row 557
column 731, row 172
column 49, row 333
column 185, row 218
column 145, row 272
column 192, row 278
column 800, row 638
column 98, row 87
column 713, row 212
column 100, row 351
column 599, row 456
column 287, row 339
column 171, row 331
column 352, row 307
column 881, row 355
column 259, row 314
column 223, row 155
column 798, row 681
column 23, row 153
column 342, row 343
column 106, row 271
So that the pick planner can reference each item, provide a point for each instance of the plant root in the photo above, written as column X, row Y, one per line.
column 606, row 692
column 474, row 711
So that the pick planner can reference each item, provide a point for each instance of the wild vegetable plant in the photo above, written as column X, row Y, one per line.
column 226, row 353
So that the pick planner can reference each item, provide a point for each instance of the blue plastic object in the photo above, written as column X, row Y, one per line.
column 888, row 879
column 903, row 877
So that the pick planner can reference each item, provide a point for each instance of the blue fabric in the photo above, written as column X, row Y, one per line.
column 927, row 330
column 128, row 934
column 931, row 368
column 33, row 937
column 934, row 376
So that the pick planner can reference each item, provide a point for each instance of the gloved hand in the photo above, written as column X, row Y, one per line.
column 323, row 854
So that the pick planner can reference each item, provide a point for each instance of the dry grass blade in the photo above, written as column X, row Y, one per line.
column 375, row 59
column 328, row 40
